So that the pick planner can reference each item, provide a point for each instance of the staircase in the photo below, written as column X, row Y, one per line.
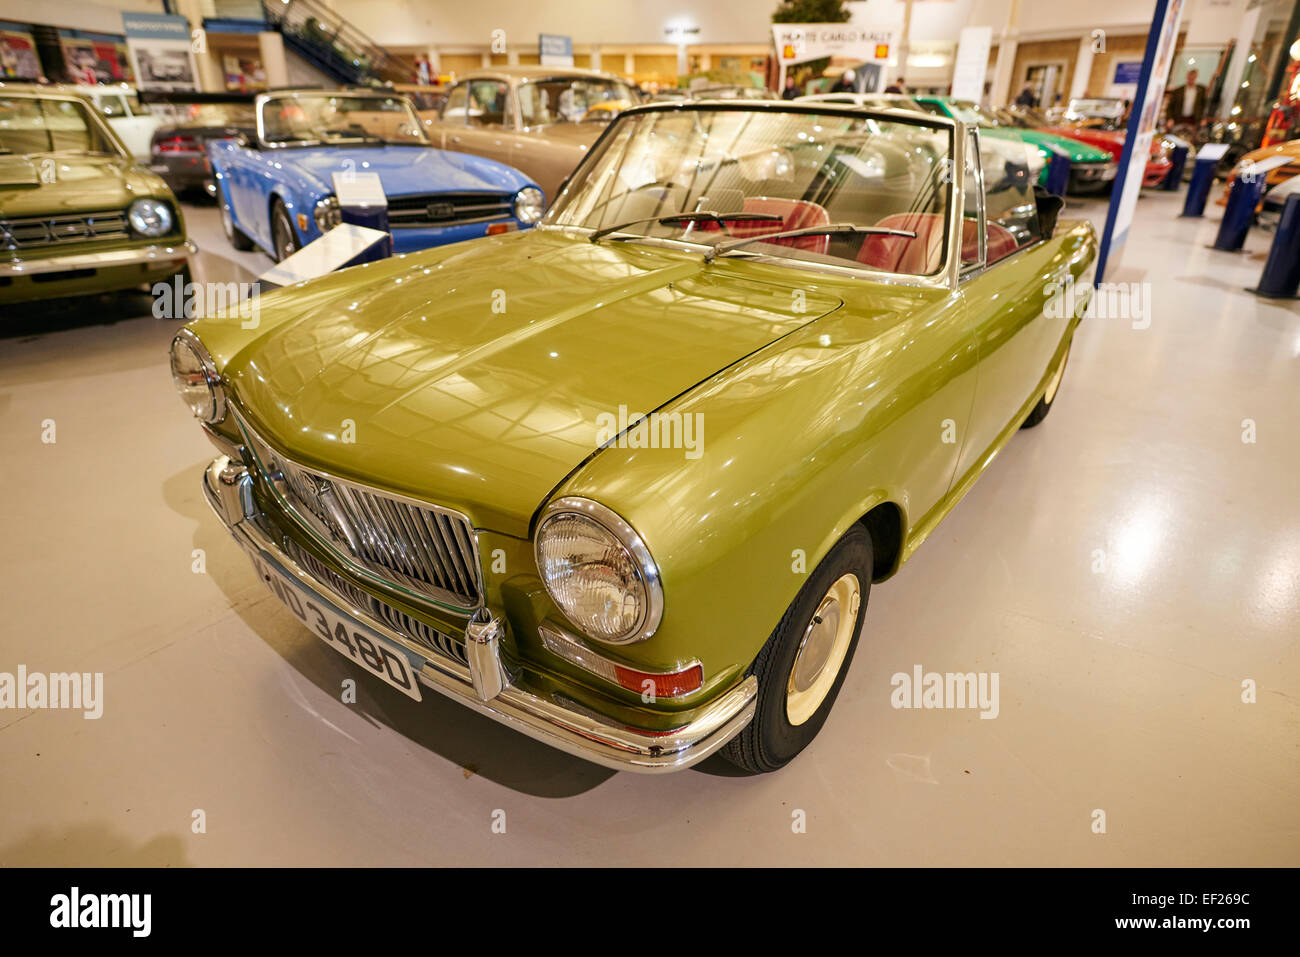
column 332, row 45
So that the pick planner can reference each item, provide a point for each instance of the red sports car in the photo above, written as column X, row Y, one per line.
column 1104, row 134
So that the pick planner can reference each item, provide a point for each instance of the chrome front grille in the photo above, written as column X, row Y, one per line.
column 36, row 231
column 422, row 548
column 447, row 209
column 418, row 631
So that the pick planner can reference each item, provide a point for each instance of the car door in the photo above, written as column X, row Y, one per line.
column 488, row 114
column 1005, row 293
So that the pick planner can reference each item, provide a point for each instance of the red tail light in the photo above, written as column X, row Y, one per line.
column 177, row 144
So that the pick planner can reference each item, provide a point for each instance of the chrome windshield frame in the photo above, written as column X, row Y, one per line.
column 945, row 278
column 262, row 99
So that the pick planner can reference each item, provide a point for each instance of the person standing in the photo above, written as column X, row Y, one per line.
column 895, row 87
column 791, row 90
column 1026, row 97
column 1186, row 103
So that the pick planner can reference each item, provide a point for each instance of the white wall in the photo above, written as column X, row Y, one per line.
column 104, row 16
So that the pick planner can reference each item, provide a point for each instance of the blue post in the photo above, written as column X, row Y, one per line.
column 374, row 217
column 1174, row 178
column 1198, row 190
column 1242, row 200
column 1058, row 172
column 1281, row 276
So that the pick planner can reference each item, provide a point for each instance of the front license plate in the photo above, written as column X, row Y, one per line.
column 377, row 656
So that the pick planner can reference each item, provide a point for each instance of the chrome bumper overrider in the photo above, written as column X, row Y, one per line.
column 136, row 256
column 487, row 684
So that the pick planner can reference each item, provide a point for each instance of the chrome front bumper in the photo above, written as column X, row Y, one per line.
column 487, row 685
column 110, row 259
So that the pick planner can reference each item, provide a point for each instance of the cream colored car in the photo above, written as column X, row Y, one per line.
column 538, row 119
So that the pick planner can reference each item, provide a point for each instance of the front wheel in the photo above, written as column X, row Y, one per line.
column 802, row 666
column 1049, row 394
column 283, row 238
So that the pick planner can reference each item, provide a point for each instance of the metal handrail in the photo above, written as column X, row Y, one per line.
column 336, row 41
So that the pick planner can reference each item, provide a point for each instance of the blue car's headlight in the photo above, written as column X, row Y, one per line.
column 529, row 205
column 327, row 213
column 150, row 217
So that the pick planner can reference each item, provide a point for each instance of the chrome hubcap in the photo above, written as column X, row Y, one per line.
column 821, row 651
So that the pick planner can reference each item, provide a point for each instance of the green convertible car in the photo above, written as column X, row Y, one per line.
column 77, row 215
column 623, row 482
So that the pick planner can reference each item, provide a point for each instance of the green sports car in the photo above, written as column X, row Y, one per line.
column 624, row 482
column 1091, row 169
column 77, row 215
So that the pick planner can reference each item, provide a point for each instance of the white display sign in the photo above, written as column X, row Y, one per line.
column 340, row 245
column 1212, row 151
column 359, row 190
column 799, row 42
column 972, row 64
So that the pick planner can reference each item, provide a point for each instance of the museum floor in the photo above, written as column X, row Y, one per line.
column 1124, row 568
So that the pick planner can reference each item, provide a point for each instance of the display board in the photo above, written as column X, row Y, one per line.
column 160, row 46
column 1141, row 130
column 18, row 57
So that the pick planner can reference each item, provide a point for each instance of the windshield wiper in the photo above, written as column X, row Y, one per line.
column 832, row 229
column 704, row 216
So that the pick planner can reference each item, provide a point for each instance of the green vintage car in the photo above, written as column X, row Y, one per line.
column 624, row 482
column 77, row 216
column 1091, row 169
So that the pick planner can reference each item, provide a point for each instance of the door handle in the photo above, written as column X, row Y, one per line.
column 455, row 139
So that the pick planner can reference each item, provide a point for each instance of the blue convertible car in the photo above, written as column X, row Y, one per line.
column 276, row 189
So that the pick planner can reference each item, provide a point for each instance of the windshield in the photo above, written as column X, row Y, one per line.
column 216, row 114
column 573, row 100
column 972, row 113
column 352, row 118
column 771, row 171
column 35, row 125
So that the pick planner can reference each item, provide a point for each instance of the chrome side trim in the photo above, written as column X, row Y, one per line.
column 549, row 718
column 141, row 255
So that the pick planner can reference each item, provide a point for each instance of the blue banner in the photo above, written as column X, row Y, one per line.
column 155, row 26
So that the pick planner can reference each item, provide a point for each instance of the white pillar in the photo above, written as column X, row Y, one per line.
column 998, row 95
column 629, row 64
column 211, row 78
column 271, row 47
column 1082, row 70
column 595, row 56
column 1237, row 68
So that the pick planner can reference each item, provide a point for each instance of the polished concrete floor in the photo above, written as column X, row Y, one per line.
column 1124, row 569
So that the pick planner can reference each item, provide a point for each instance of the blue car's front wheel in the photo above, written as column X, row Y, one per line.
column 283, row 238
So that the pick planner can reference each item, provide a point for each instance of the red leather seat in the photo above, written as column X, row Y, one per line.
column 900, row 254
column 998, row 244
column 921, row 256
column 794, row 213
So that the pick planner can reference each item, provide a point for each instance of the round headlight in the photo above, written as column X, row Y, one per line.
column 529, row 205
column 598, row 571
column 150, row 217
column 327, row 213
column 196, row 379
